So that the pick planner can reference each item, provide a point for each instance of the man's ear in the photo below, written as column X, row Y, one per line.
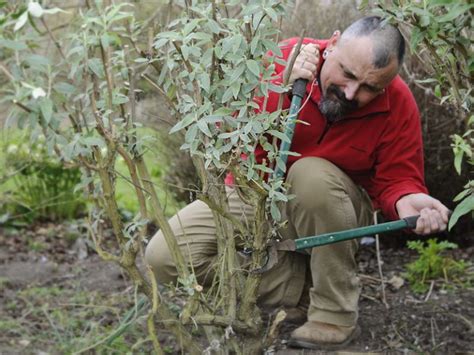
column 333, row 40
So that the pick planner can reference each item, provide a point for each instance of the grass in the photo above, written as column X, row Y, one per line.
column 54, row 319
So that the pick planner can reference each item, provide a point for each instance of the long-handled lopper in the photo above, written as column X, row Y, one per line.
column 299, row 91
column 331, row 238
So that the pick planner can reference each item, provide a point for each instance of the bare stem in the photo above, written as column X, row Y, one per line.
column 170, row 238
column 53, row 38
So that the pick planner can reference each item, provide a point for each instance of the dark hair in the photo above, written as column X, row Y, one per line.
column 387, row 39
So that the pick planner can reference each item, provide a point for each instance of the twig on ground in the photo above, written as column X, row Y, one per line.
column 433, row 339
column 369, row 297
column 469, row 323
column 429, row 291
column 379, row 264
column 410, row 299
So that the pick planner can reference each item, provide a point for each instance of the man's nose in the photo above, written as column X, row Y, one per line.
column 350, row 90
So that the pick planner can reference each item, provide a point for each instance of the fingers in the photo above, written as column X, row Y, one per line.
column 306, row 63
column 443, row 210
column 430, row 221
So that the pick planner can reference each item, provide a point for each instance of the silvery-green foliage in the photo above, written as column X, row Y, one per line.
column 51, row 85
column 212, row 65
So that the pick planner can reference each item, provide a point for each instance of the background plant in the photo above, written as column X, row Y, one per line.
column 36, row 185
column 433, row 264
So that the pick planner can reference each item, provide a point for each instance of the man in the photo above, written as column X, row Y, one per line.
column 361, row 148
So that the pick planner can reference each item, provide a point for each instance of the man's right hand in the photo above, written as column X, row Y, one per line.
column 306, row 63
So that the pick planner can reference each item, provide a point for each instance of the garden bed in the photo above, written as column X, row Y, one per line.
column 57, row 296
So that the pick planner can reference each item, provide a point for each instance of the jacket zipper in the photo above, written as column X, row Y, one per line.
column 329, row 125
column 326, row 129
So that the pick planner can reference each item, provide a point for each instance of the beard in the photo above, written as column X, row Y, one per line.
column 334, row 104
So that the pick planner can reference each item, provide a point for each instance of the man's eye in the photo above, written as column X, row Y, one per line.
column 373, row 89
column 349, row 75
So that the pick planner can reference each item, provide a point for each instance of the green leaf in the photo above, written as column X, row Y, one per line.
column 275, row 212
column 280, row 135
column 64, row 88
column 46, row 107
column 105, row 40
column 15, row 45
column 54, row 10
column 465, row 207
column 204, row 128
column 189, row 27
column 228, row 135
column 254, row 44
column 458, row 160
column 280, row 164
column 235, row 89
column 253, row 67
column 160, row 43
column 251, row 9
column 185, row 52
column 169, row 35
column 277, row 89
column 455, row 12
column 91, row 141
column 213, row 26
column 272, row 13
column 119, row 99
column 37, row 62
column 227, row 95
column 186, row 121
column 191, row 134
column 95, row 65
column 237, row 73
column 415, row 39
column 461, row 195
column 204, row 81
column 273, row 47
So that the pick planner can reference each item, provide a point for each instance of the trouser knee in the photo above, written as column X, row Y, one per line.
column 315, row 181
column 158, row 256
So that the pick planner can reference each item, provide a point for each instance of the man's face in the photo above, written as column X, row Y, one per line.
column 348, row 78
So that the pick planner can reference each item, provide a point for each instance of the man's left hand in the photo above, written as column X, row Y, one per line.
column 434, row 215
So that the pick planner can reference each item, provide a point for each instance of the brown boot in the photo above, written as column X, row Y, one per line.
column 323, row 336
column 296, row 315
column 299, row 314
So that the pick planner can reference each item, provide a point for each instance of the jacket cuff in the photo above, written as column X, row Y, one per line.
column 388, row 206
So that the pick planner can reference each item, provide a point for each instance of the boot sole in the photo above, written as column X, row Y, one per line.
column 325, row 346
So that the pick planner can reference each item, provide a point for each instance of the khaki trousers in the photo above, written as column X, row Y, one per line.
column 326, row 200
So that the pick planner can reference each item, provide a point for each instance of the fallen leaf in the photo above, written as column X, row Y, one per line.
column 24, row 342
column 396, row 282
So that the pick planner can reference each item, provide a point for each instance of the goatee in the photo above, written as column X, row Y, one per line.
column 334, row 105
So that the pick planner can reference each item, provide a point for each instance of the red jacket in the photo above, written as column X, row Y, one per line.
column 379, row 146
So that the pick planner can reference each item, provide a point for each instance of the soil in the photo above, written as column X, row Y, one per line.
column 438, row 321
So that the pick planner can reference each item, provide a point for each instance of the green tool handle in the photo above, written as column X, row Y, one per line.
column 298, row 91
column 330, row 238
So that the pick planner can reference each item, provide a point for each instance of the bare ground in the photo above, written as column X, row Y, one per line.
column 54, row 260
